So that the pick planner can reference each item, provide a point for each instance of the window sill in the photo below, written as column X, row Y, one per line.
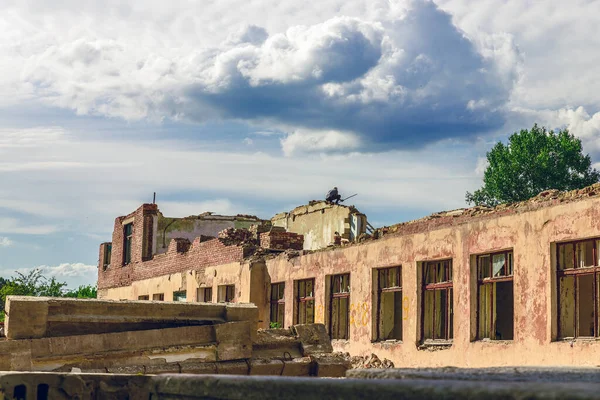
column 340, row 341
column 434, row 345
column 495, row 341
column 584, row 339
column 388, row 342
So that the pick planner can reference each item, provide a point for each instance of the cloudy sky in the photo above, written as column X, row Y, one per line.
column 238, row 106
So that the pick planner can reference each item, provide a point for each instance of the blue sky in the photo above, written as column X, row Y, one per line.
column 256, row 107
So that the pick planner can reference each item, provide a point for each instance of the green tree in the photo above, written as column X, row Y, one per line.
column 83, row 292
column 533, row 161
column 31, row 284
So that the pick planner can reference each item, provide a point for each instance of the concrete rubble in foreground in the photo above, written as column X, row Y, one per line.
column 141, row 337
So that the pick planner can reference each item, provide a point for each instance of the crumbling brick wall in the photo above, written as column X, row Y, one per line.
column 281, row 240
column 180, row 256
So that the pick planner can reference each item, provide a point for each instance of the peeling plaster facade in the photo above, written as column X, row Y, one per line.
column 529, row 231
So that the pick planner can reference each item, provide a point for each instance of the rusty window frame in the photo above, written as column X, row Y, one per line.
column 306, row 301
column 277, row 310
column 506, row 275
column 144, row 297
column 443, row 269
column 384, row 287
column 339, row 291
column 576, row 272
column 127, row 242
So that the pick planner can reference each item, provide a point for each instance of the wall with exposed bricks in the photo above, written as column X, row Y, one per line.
column 180, row 256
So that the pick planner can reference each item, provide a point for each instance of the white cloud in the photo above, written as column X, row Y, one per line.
column 185, row 208
column 14, row 225
column 304, row 141
column 398, row 74
column 577, row 120
column 482, row 164
column 74, row 274
column 5, row 242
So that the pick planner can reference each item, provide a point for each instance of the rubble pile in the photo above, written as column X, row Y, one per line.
column 371, row 361
column 545, row 198
column 232, row 236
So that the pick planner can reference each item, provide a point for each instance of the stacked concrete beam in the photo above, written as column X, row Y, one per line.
column 141, row 337
column 38, row 317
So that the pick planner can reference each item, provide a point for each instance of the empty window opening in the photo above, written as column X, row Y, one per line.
column 204, row 295
column 144, row 297
column 106, row 256
column 277, row 305
column 20, row 392
column 437, row 307
column 180, row 295
column 127, row 242
column 42, row 391
column 578, row 279
column 158, row 297
column 389, row 303
column 226, row 293
column 305, row 301
column 339, row 306
column 495, row 299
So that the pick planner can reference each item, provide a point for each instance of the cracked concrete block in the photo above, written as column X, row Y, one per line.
column 266, row 367
column 198, row 367
column 233, row 341
column 314, row 339
column 233, row 368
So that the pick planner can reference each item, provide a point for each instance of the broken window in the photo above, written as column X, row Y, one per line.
column 180, row 296
column 106, row 256
column 437, row 309
column 144, row 297
column 389, row 303
column 495, row 300
column 578, row 279
column 204, row 295
column 158, row 297
column 339, row 306
column 277, row 305
column 226, row 293
column 128, row 236
column 305, row 301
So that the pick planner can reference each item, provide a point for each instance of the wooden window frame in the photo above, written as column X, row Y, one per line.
column 127, row 244
column 158, row 297
column 507, row 276
column 577, row 271
column 445, row 285
column 205, row 291
column 106, row 256
column 337, row 296
column 303, row 301
column 229, row 291
column 277, row 304
column 386, row 289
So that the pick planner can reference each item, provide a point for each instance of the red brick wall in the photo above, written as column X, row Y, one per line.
column 178, row 258
column 281, row 240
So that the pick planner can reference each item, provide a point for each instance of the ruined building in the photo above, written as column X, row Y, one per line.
column 512, row 285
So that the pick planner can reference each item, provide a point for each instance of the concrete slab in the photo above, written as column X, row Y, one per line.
column 314, row 339
column 37, row 317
